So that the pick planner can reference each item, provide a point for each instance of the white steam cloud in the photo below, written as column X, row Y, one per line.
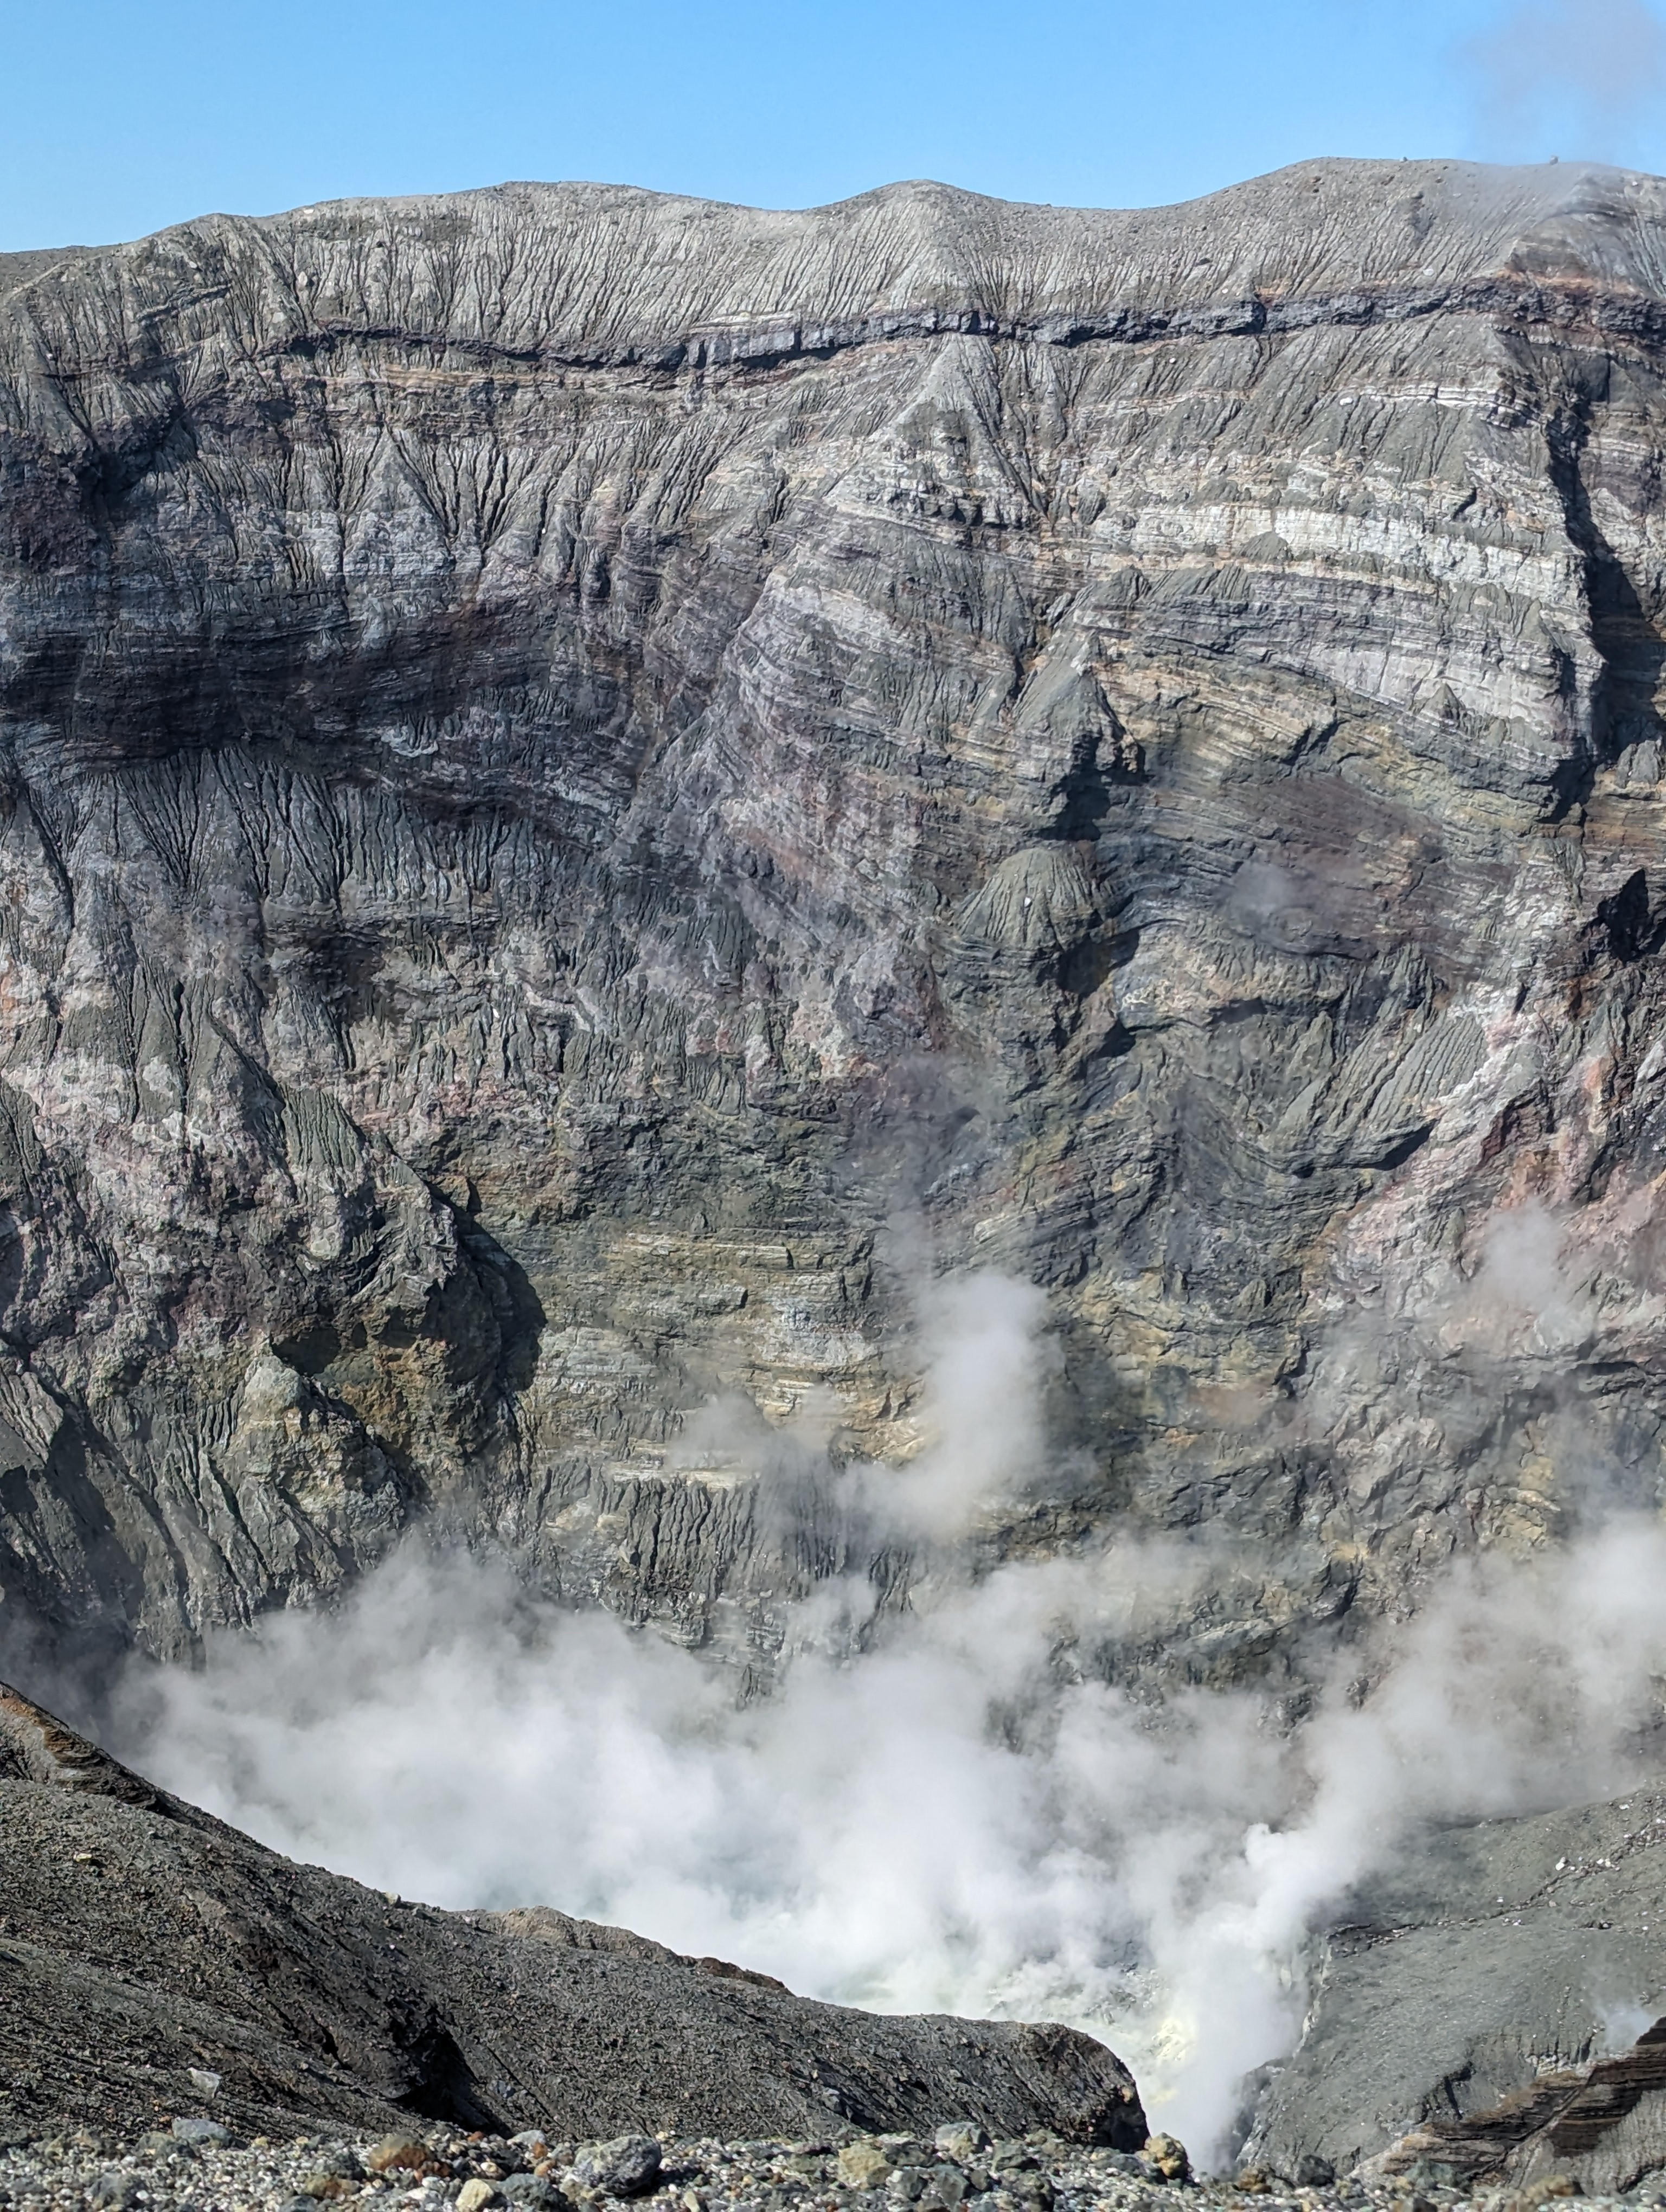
column 948, row 1809
column 1578, row 78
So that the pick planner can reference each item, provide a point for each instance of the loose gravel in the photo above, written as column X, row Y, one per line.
column 196, row 2168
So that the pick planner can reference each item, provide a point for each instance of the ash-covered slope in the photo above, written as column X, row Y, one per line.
column 1475, row 2013
column 571, row 758
column 141, row 1939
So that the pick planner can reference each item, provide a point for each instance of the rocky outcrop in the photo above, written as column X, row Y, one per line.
column 587, row 776
column 146, row 1949
column 1599, row 2126
column 1487, row 2012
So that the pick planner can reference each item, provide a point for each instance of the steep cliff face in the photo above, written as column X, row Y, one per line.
column 589, row 777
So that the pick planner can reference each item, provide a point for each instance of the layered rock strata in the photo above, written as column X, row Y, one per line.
column 591, row 783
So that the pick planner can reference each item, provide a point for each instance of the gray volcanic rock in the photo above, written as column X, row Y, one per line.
column 1475, row 2009
column 146, row 1947
column 17, row 269
column 1600, row 2126
column 571, row 758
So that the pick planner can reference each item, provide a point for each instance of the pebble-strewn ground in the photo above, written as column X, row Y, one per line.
column 440, row 2170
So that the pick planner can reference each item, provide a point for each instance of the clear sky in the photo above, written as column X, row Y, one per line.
column 122, row 115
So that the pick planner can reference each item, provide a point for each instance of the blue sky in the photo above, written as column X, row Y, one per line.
column 123, row 115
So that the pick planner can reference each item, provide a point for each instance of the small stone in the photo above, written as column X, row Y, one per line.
column 1253, row 2181
column 202, row 2081
column 399, row 2154
column 475, row 2196
column 961, row 2140
column 193, row 2127
column 120, row 2191
column 863, row 2165
column 628, row 2166
column 531, row 2191
column 944, row 2188
column 1167, row 2155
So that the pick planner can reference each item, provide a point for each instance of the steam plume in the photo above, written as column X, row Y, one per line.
column 967, row 1816
column 1577, row 77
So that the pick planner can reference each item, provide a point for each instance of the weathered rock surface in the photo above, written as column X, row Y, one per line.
column 1600, row 2126
column 141, row 1940
column 570, row 758
column 1478, row 2008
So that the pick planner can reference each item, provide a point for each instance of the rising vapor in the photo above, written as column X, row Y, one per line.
column 948, row 1809
column 1576, row 78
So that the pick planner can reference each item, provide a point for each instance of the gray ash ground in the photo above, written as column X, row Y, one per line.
column 442, row 2171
